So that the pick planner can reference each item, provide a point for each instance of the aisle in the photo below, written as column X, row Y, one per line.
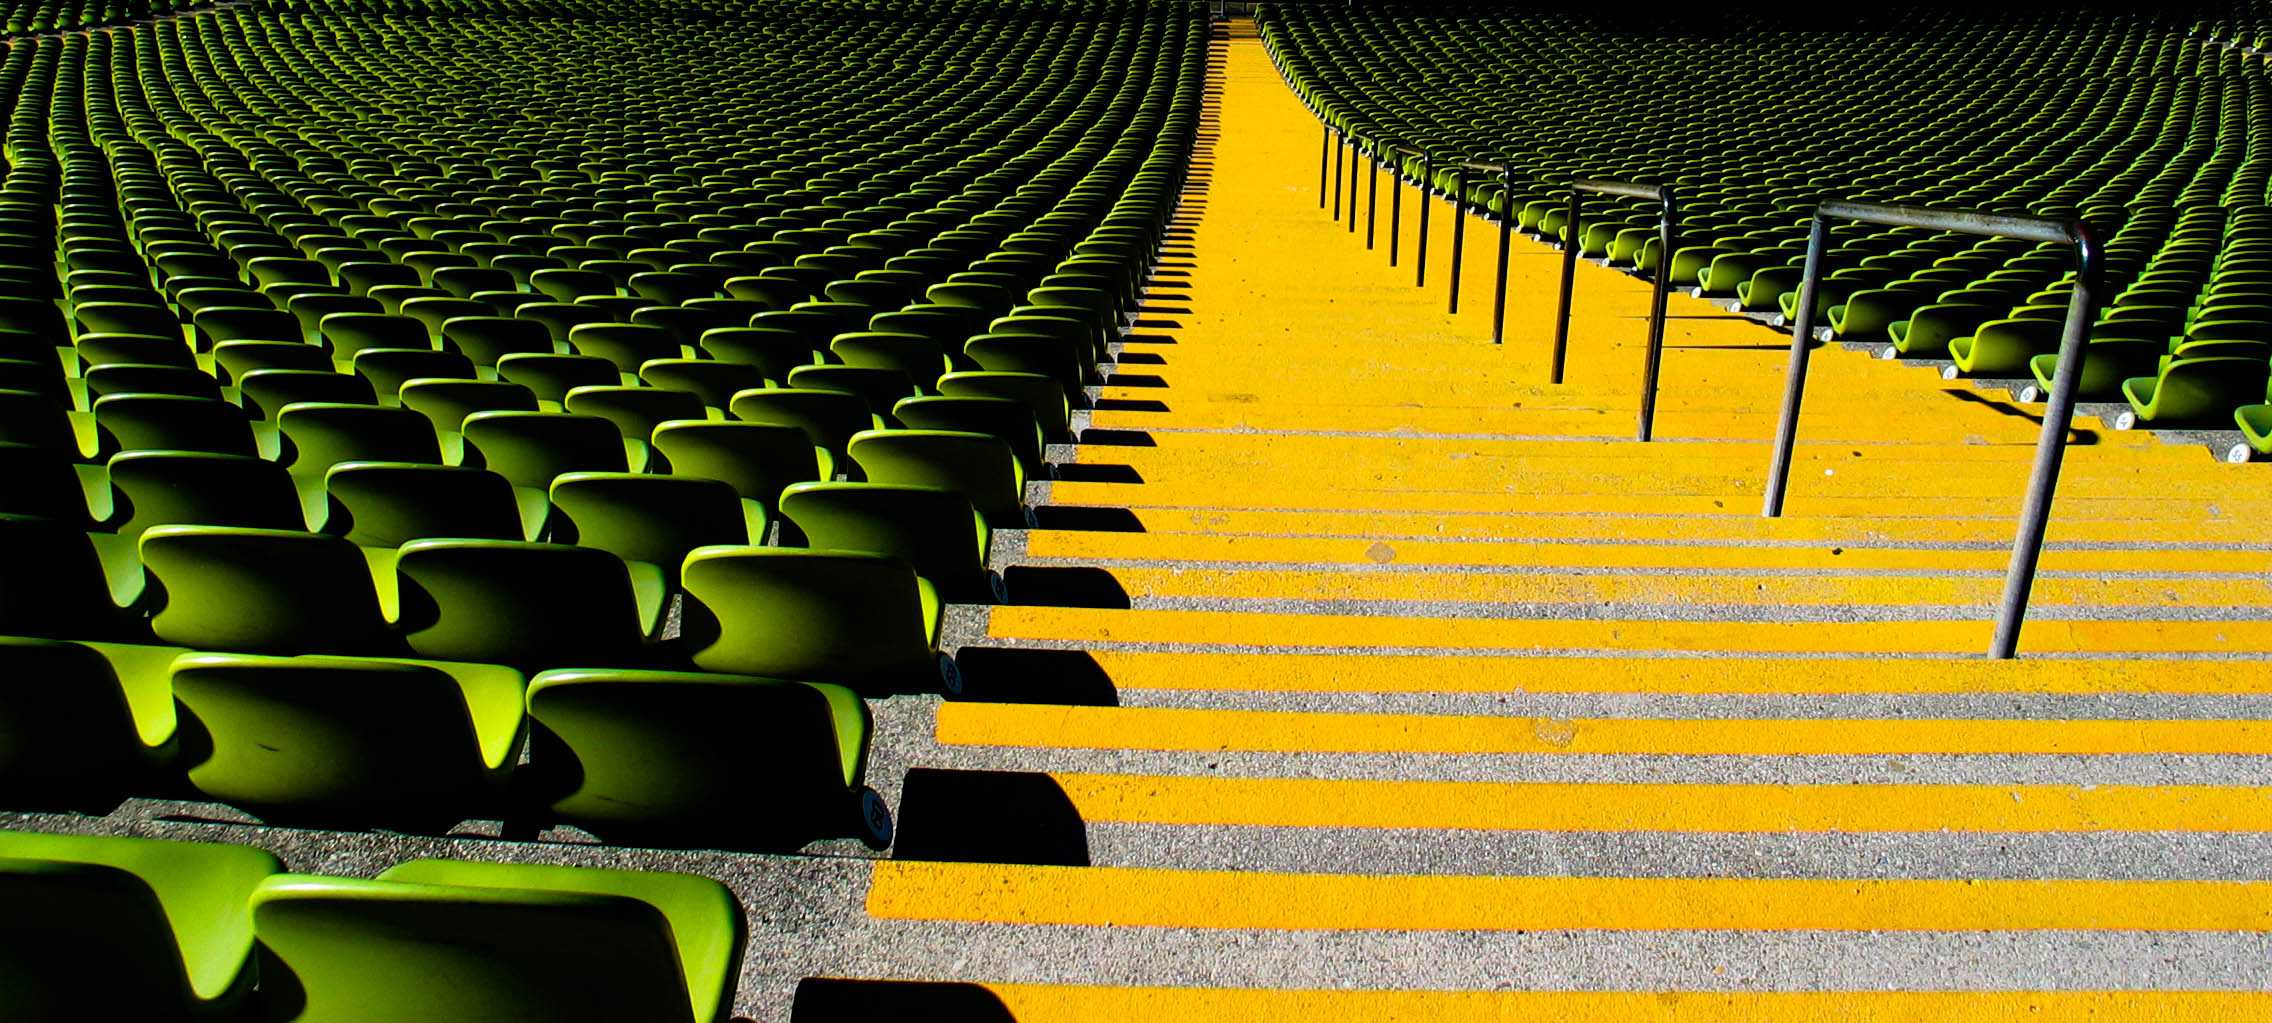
column 1438, row 698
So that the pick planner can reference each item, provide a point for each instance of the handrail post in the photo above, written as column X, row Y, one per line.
column 1506, row 172
column 1395, row 212
column 1459, row 229
column 1656, row 352
column 1573, row 238
column 1357, row 157
column 1795, row 378
column 1372, row 197
column 2050, row 449
column 2058, row 416
column 1569, row 277
column 1420, row 254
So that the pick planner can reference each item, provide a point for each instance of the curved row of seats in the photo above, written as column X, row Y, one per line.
column 655, row 757
column 392, row 395
column 105, row 927
column 2155, row 136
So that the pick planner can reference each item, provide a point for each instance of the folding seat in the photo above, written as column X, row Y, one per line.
column 2203, row 390
column 134, row 349
column 262, row 591
column 160, row 487
column 551, row 377
column 980, row 467
column 772, row 350
column 861, row 620
column 265, row 392
column 627, row 345
column 485, row 339
column 109, row 927
column 1007, row 420
column 310, row 309
column 880, row 388
column 756, row 459
column 388, row 504
column 828, row 417
column 434, row 311
column 245, row 324
column 129, row 422
column 348, row 740
column 530, row 448
column 635, row 411
column 446, row 402
column 436, row 939
column 350, row 333
column 144, row 378
column 713, row 382
column 126, row 318
column 682, row 757
column 530, row 605
column 2005, row 347
column 568, row 285
column 364, row 278
column 237, row 358
column 651, row 522
column 322, row 435
column 933, row 529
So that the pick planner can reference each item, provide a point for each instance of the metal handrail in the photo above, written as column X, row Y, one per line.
column 1669, row 215
column 1506, row 172
column 2059, row 410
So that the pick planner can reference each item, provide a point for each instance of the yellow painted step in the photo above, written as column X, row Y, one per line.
column 2073, row 524
column 1091, row 896
column 1257, row 731
column 1031, row 1003
column 1305, row 802
column 1412, row 673
column 1804, row 499
column 1112, row 546
column 1370, row 632
column 1923, row 588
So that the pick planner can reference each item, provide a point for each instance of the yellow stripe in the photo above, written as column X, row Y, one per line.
column 2068, row 526
column 1516, row 553
column 1888, row 590
column 1804, row 500
column 1390, row 673
column 1162, row 728
column 1311, row 803
column 1367, row 632
column 1030, row 1003
column 1091, row 896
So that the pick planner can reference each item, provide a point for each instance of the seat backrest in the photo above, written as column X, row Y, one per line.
column 517, row 603
column 392, row 949
column 446, row 402
column 552, row 376
column 530, row 448
column 756, row 459
column 655, row 519
column 635, row 411
column 128, row 422
column 157, row 925
column 934, row 529
column 195, row 487
column 323, row 435
column 817, row 615
column 389, row 504
column 829, row 418
column 261, row 591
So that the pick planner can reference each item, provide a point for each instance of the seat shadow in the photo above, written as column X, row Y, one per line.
column 1128, row 405
column 1141, row 359
column 1019, row 817
column 1069, row 586
column 1087, row 519
column 1002, row 674
column 1104, row 437
column 1135, row 380
column 1090, row 472
column 836, row 1000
